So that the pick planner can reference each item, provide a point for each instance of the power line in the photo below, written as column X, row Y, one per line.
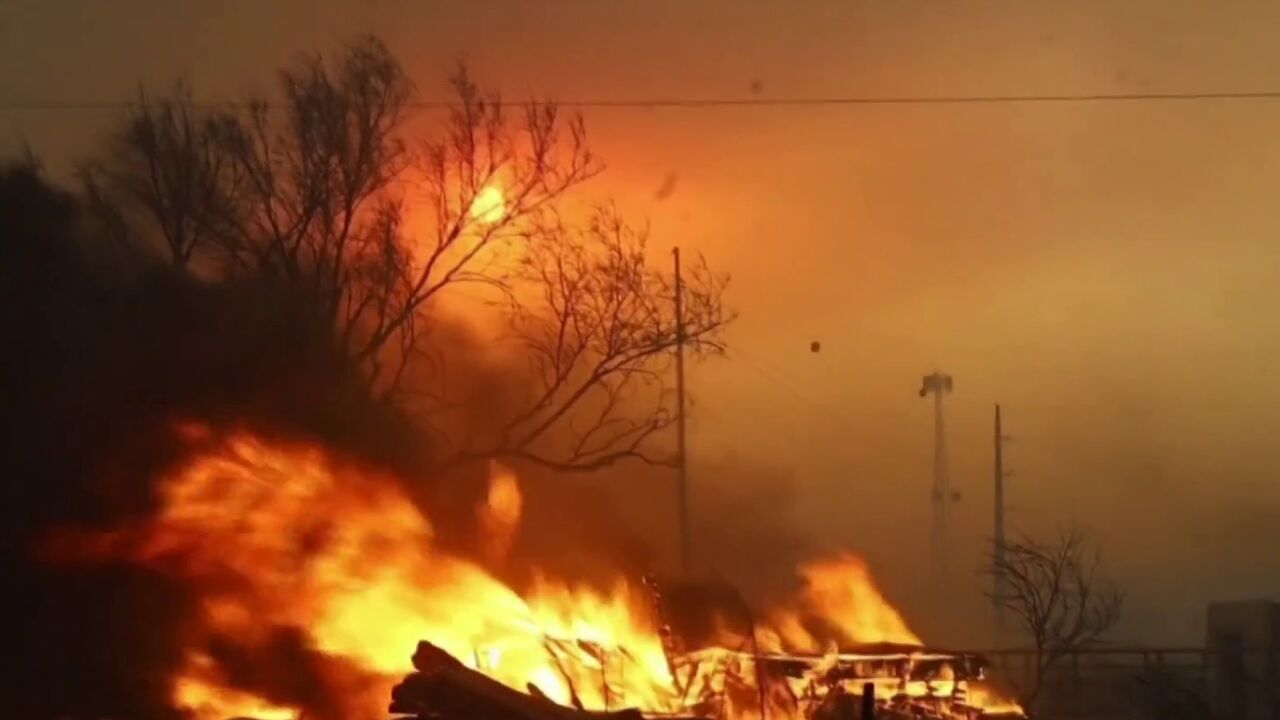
column 711, row 103
column 777, row 378
column 792, row 385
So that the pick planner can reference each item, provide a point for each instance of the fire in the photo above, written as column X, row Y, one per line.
column 842, row 594
column 499, row 516
column 992, row 703
column 281, row 535
column 303, row 559
column 210, row 699
column 489, row 205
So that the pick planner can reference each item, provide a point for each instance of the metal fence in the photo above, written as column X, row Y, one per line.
column 1126, row 682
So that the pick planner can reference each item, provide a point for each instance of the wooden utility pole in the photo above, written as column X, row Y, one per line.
column 998, row 548
column 683, row 479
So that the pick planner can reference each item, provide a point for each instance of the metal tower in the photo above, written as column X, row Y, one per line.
column 939, row 384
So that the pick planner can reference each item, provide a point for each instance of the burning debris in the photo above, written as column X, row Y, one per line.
column 315, row 576
column 444, row 689
column 891, row 681
column 886, row 682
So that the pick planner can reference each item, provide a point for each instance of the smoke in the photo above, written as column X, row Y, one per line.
column 106, row 357
column 116, row 350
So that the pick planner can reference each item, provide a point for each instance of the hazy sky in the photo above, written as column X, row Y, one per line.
column 1108, row 271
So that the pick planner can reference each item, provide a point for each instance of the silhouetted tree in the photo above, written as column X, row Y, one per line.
column 598, row 331
column 169, row 166
column 316, row 193
column 104, row 349
column 1058, row 596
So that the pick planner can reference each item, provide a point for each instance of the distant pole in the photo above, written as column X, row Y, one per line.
column 938, row 384
column 941, row 484
column 997, row 550
column 683, row 480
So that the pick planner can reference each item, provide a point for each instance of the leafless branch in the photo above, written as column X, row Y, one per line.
column 597, row 336
column 317, row 198
column 1058, row 595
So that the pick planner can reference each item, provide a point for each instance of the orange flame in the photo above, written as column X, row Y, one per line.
column 209, row 698
column 499, row 516
column 278, row 535
column 841, row 590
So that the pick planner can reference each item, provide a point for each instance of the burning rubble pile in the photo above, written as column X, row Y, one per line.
column 289, row 547
column 442, row 687
column 887, row 682
column 882, row 680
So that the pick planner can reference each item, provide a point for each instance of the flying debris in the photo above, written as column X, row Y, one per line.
column 667, row 187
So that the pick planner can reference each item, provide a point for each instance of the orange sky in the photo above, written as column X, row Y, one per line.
column 1107, row 271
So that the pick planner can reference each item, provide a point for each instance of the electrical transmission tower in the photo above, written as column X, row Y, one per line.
column 939, row 384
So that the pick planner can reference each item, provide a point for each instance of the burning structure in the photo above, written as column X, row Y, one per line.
column 315, row 579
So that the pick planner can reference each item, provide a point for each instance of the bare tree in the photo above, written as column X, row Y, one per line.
column 323, row 192
column 536, row 159
column 1056, row 592
column 168, row 166
column 597, row 337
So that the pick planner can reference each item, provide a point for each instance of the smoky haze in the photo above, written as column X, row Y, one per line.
column 1107, row 271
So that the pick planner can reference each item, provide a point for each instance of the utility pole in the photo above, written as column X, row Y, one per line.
column 681, row 441
column 998, row 545
column 939, row 384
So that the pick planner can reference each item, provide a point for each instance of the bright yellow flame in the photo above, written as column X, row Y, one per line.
column 344, row 554
column 205, row 698
column 991, row 702
column 840, row 590
column 489, row 205
column 276, row 535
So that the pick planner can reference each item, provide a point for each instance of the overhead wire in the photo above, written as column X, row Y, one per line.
column 738, row 102
column 779, row 378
